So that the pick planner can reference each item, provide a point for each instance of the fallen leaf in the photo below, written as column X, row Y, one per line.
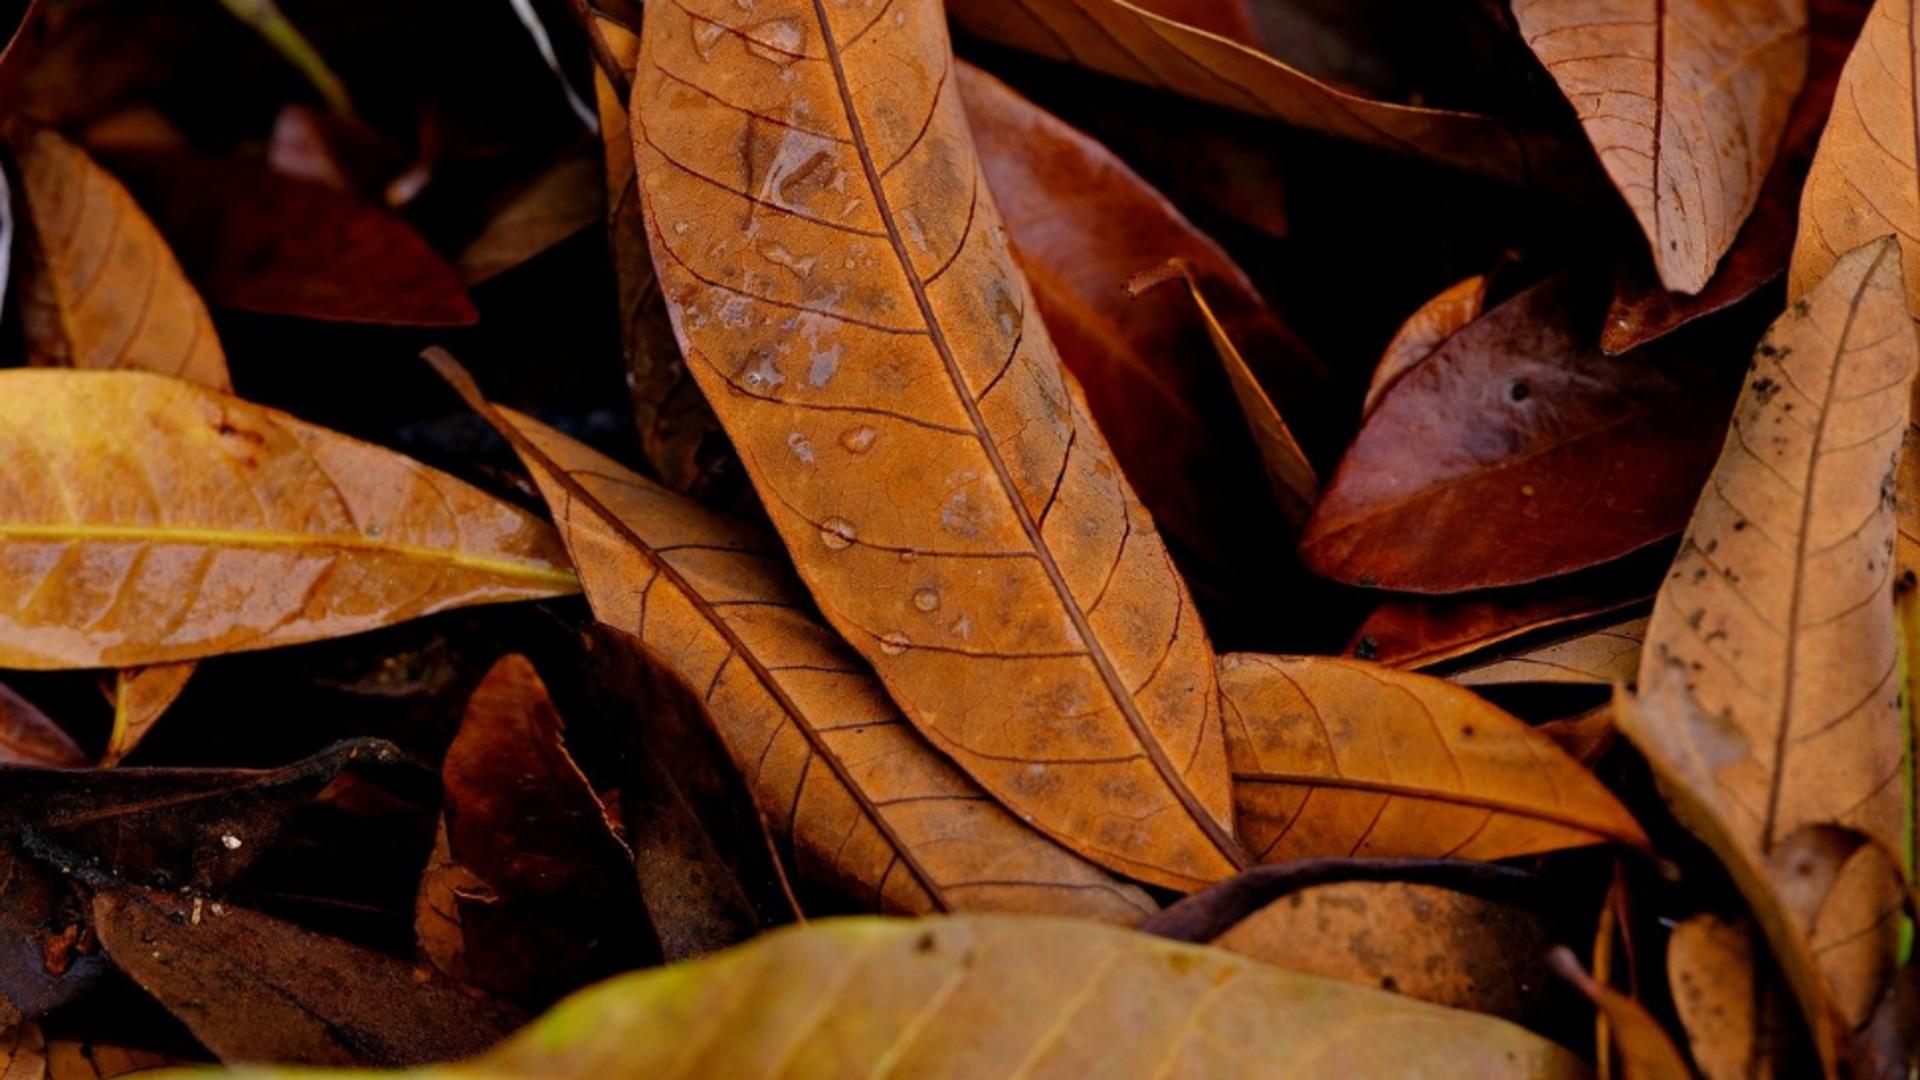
column 100, row 288
column 863, row 802
column 23, row 1053
column 225, row 525
column 547, row 891
column 1131, row 42
column 1343, row 757
column 1644, row 1048
column 1600, row 656
column 1423, row 631
column 252, row 988
column 1001, row 995
column 1426, row 942
column 563, row 199
column 1777, row 617
column 1684, row 102
column 1020, row 564
column 140, row 697
column 1643, row 310
column 29, row 737
column 1146, row 360
column 1231, row 19
column 1514, row 452
column 259, row 240
column 1455, row 308
column 1289, row 473
column 93, row 1059
column 1733, row 1014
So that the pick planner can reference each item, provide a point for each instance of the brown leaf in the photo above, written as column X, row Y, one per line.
column 1685, row 102
column 1423, row 941
column 140, row 697
column 1146, row 360
column 1514, row 452
column 1457, row 306
column 1289, row 473
column 1342, row 757
column 1777, row 618
column 1121, row 39
column 559, row 201
column 29, row 737
column 259, row 240
column 1598, row 656
column 1733, row 1014
column 547, row 900
column 1645, row 1051
column 1643, row 309
column 863, row 803
column 23, row 1053
column 169, row 522
column 100, row 288
column 905, row 420
column 253, row 988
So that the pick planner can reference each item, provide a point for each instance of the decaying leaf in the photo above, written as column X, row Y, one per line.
column 863, row 803
column 1343, row 757
column 1134, row 43
column 1735, row 1018
column 100, row 288
column 999, row 996
column 1685, row 103
column 1516, row 451
column 1427, row 942
column 1598, row 656
column 172, row 522
column 1776, row 627
column 875, row 358
column 546, row 893
column 251, row 988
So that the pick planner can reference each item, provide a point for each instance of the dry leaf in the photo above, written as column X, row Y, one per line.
column 1733, row 1014
column 23, row 1053
column 873, row 352
column 1122, row 39
column 1644, row 1050
column 1343, row 757
column 1600, row 656
column 1517, row 451
column 140, row 697
column 101, row 289
column 29, row 737
column 172, row 522
column 1685, row 102
column 558, row 202
column 1427, row 942
column 863, row 802
column 1778, row 614
column 1001, row 996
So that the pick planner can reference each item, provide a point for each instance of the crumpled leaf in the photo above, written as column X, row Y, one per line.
column 999, row 996
column 1131, row 42
column 1684, row 101
column 863, row 804
column 253, row 988
column 167, row 522
column 545, row 892
column 911, row 404
column 1514, row 452
column 1773, row 638
column 1343, row 757
column 100, row 288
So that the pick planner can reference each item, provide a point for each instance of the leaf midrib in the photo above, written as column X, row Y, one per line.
column 1227, row 847
column 271, row 540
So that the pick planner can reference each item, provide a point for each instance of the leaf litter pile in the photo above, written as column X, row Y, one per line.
column 1008, row 538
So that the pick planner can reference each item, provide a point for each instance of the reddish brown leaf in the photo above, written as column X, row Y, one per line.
column 1515, row 452
column 1424, row 331
column 29, row 737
